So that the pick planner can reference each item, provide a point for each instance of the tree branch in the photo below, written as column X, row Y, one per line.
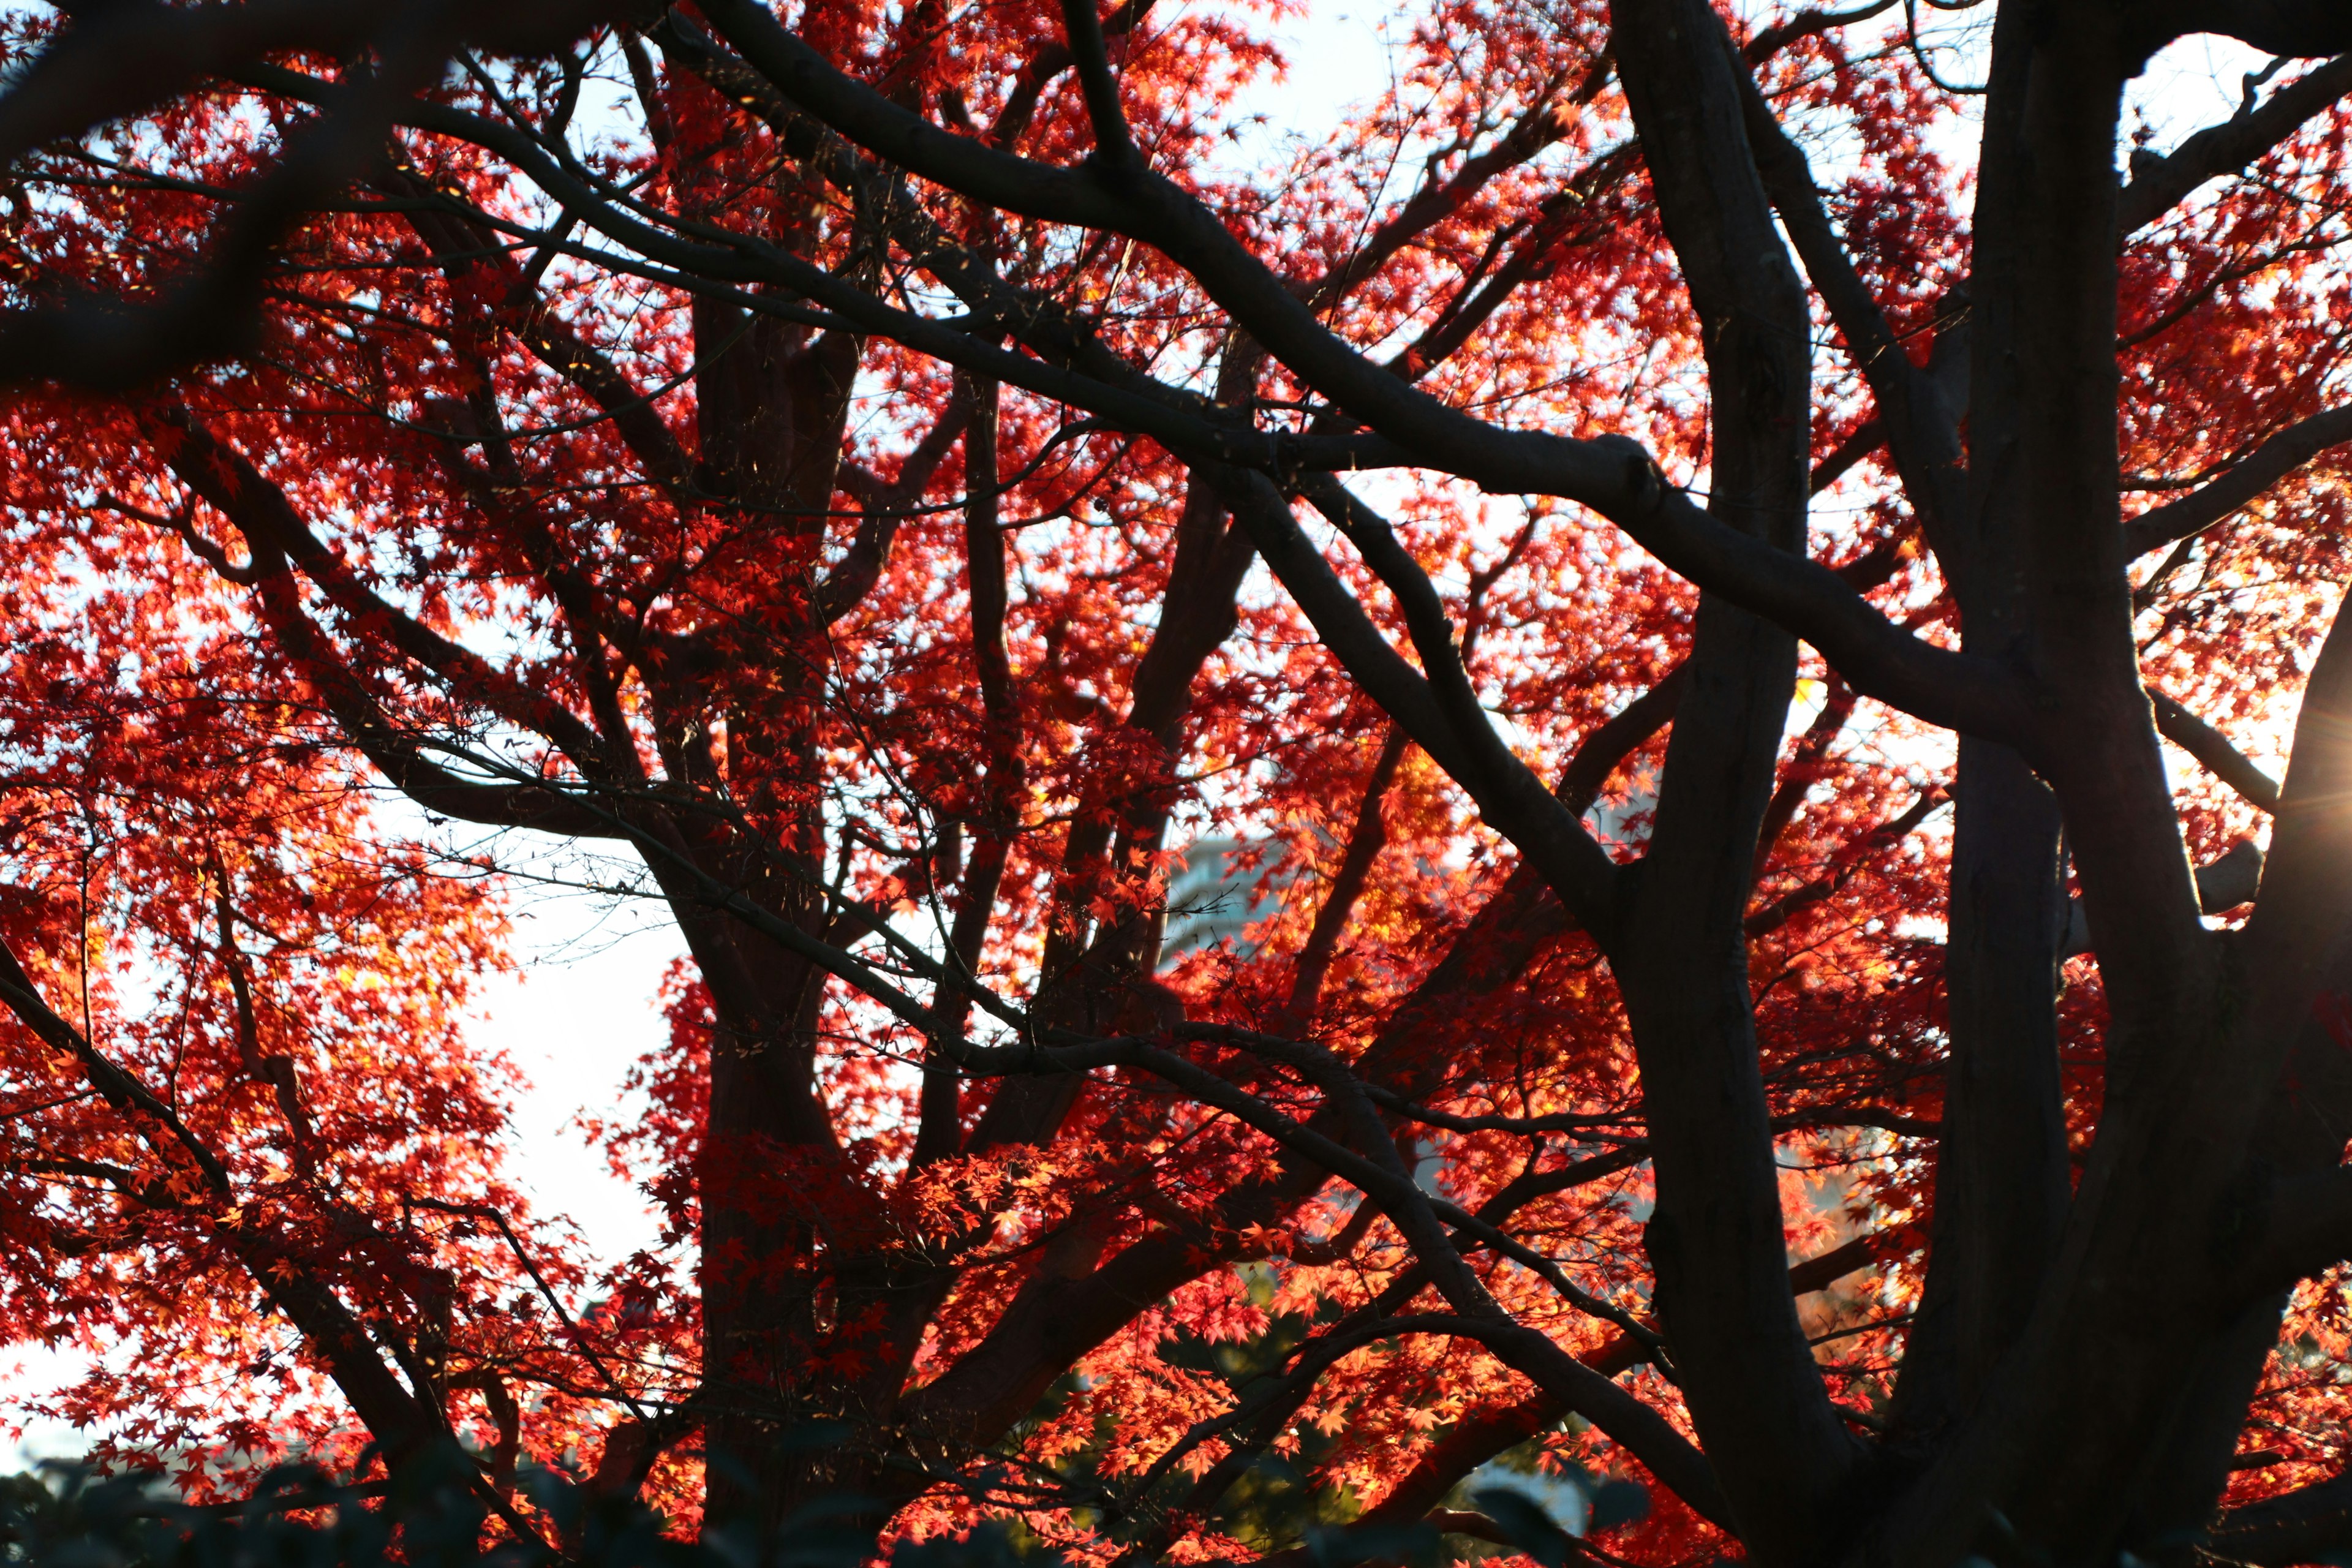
column 121, row 1089
column 1479, row 1438
column 117, row 61
column 1803, row 769
column 1114, row 145
column 1919, row 430
column 2307, row 1525
column 1804, row 25
column 2306, row 1229
column 1451, row 726
column 1780, row 911
column 1612, row 474
column 854, row 576
column 1609, row 744
column 263, row 512
column 1541, row 124
column 2276, row 457
column 2304, row 27
column 1364, row 845
column 2193, row 735
column 2158, row 184
column 394, row 1416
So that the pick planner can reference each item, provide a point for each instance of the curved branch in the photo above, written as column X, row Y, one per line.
column 1967, row 692
column 518, row 307
column 2158, row 184
column 1479, row 1438
column 117, row 61
column 1114, row 145
column 399, row 757
column 1054, row 1052
column 1543, row 123
column 397, row 1419
column 1803, row 769
column 120, row 1089
column 276, row 534
column 1641, row 1430
column 1617, row 737
column 1804, row 25
column 1282, row 1396
column 1443, row 716
column 1612, row 474
column 2269, row 463
column 2223, row 884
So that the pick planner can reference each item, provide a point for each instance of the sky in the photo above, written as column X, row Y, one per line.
column 581, row 1009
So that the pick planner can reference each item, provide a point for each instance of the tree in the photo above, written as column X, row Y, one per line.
column 897, row 475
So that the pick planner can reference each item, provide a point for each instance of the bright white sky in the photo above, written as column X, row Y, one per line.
column 583, row 1010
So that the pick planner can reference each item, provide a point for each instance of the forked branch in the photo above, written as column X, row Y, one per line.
column 1612, row 475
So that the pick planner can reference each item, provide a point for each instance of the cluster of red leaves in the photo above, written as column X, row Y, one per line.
column 189, row 839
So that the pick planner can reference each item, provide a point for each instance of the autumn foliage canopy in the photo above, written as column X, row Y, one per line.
column 1726, row 601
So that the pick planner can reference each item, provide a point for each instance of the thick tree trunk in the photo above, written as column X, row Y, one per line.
column 771, row 413
column 2287, row 1043
column 2086, row 1393
column 1716, row 1239
column 2001, row 1182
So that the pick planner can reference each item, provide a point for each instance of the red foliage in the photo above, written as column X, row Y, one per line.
column 560, row 540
